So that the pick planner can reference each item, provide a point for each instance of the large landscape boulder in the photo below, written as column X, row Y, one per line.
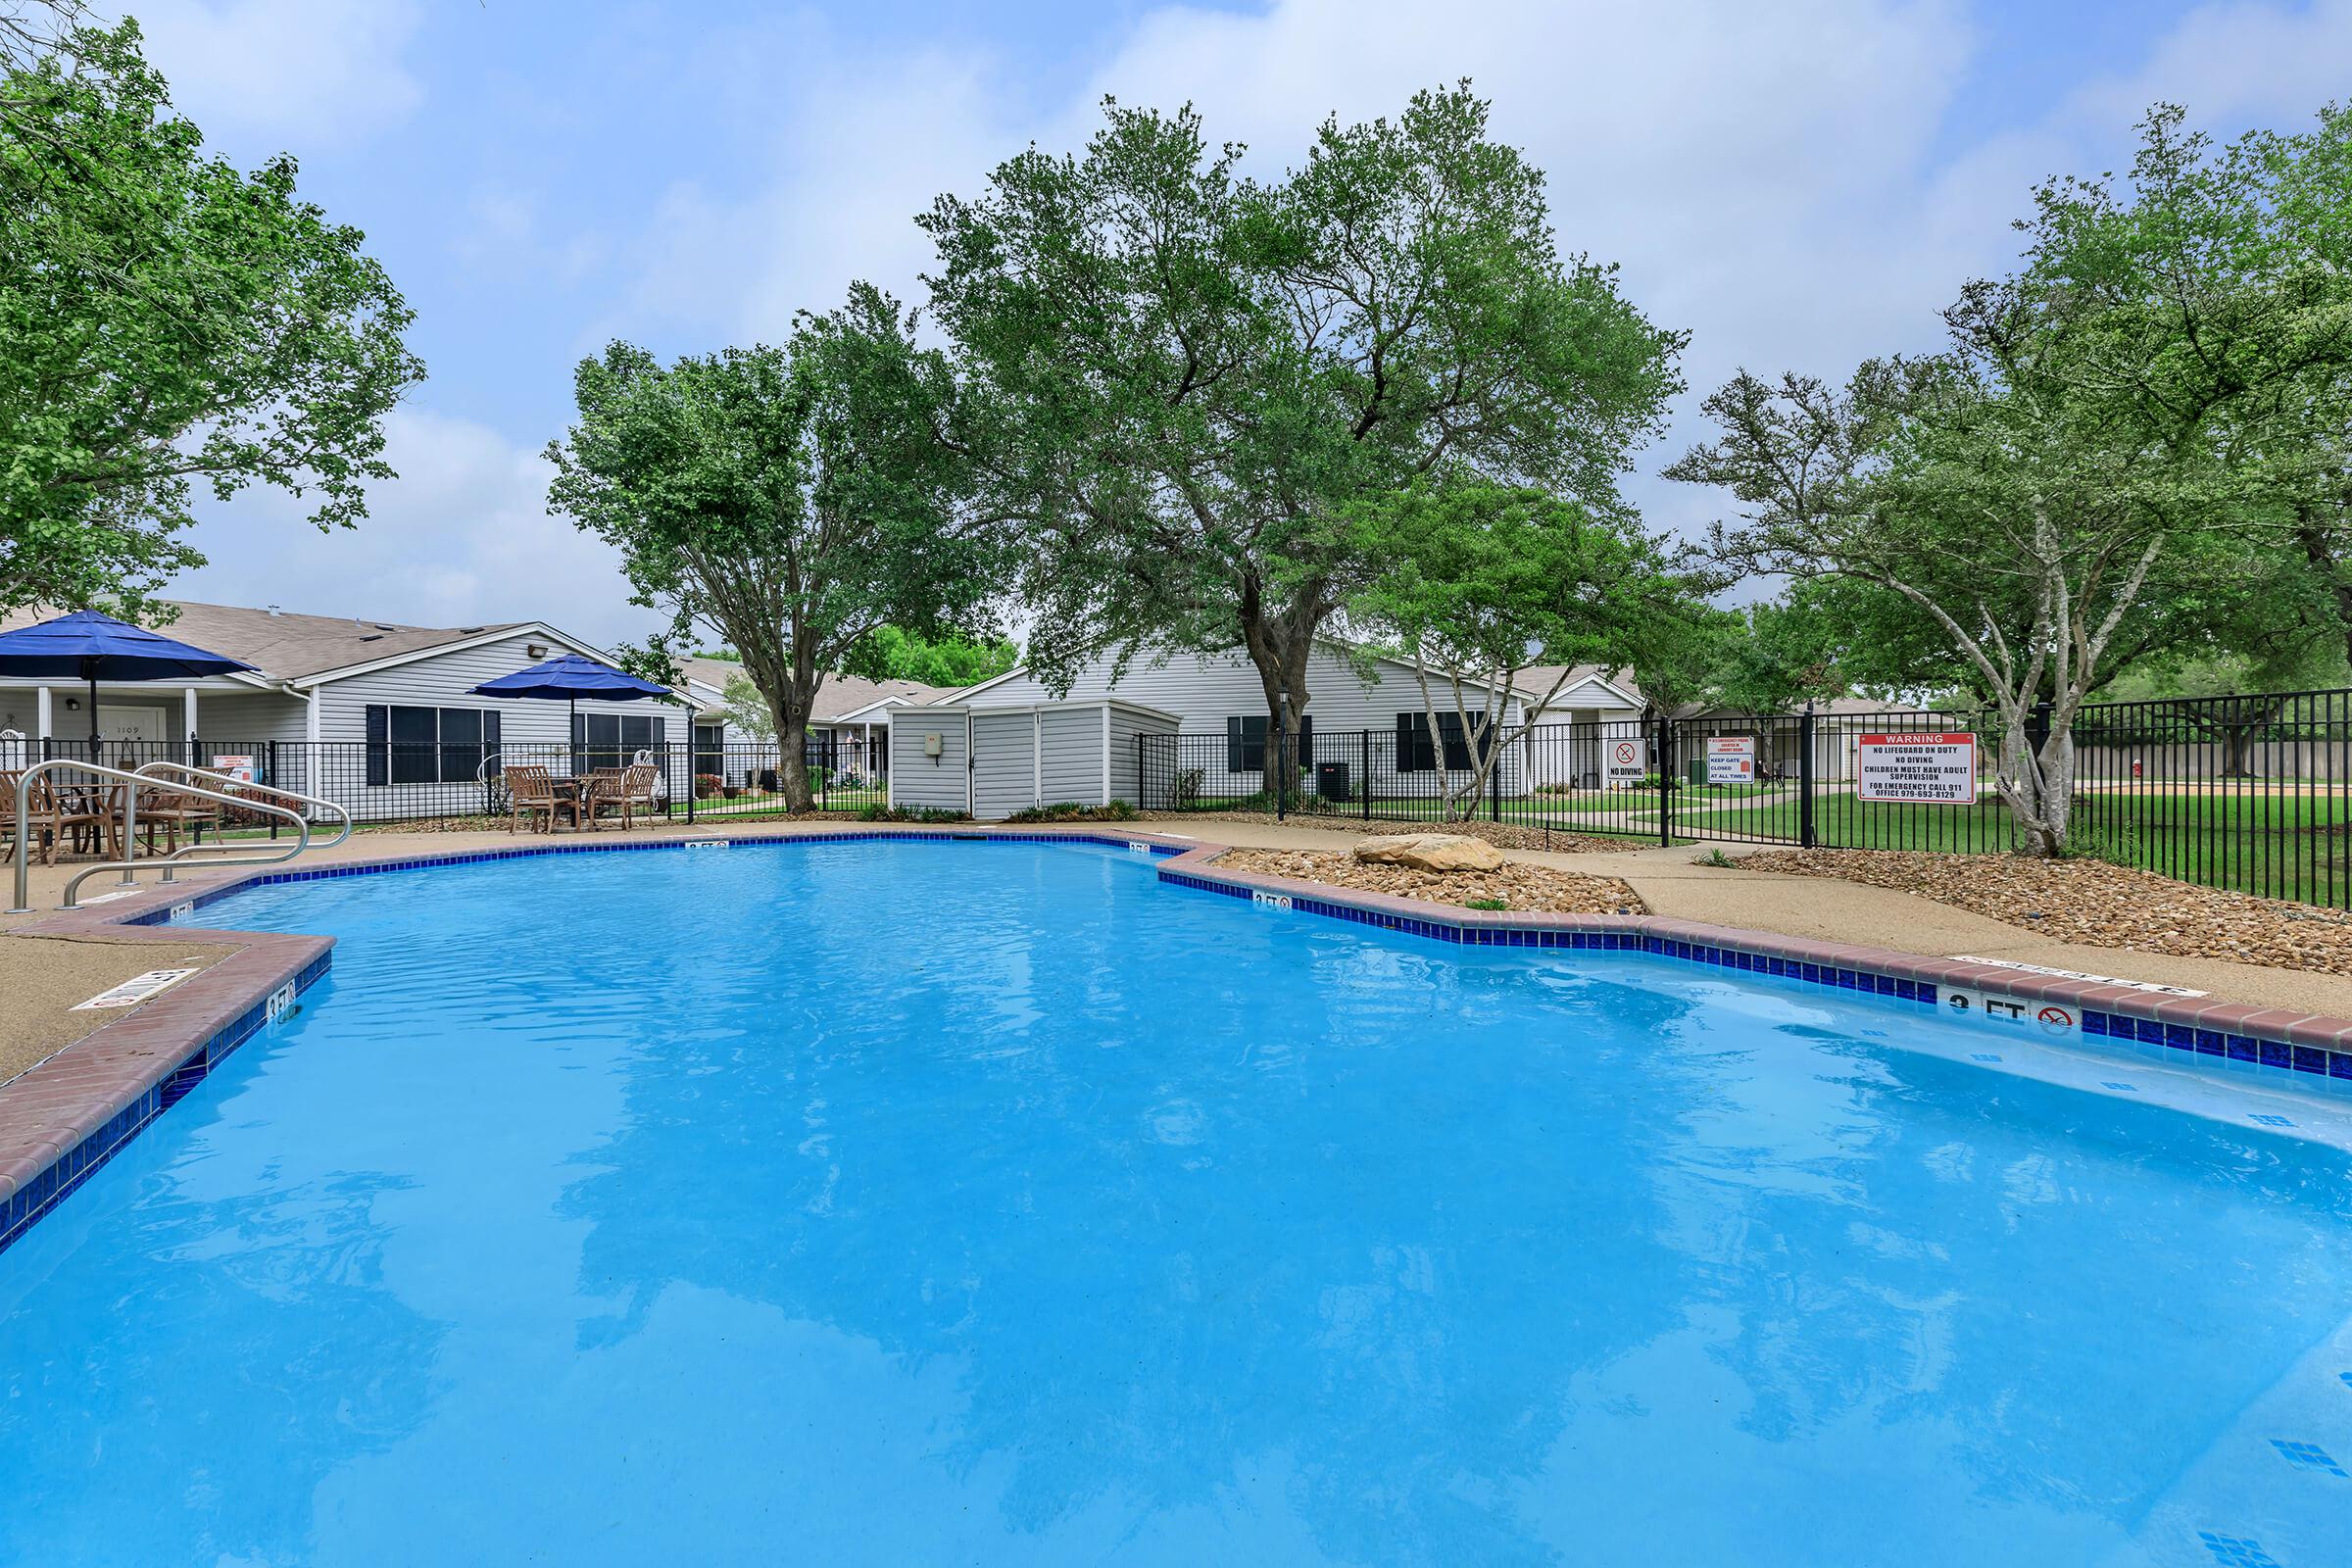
column 1431, row 852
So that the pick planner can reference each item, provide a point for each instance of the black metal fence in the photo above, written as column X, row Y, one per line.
column 381, row 782
column 2251, row 792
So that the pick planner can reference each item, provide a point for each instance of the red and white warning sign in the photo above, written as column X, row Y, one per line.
column 1625, row 761
column 1926, row 767
column 1731, row 758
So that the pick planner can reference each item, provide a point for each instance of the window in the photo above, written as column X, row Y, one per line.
column 1246, row 743
column 427, row 745
column 610, row 740
column 1417, row 753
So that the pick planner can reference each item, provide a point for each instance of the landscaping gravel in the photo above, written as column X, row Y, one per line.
column 2095, row 904
column 1502, row 835
column 1519, row 886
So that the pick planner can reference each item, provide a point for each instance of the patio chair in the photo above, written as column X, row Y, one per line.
column 531, row 792
column 78, row 819
column 172, row 812
column 626, row 790
column 600, row 792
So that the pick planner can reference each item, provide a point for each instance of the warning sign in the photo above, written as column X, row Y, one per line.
column 1731, row 758
column 1935, row 770
column 238, row 766
column 1624, row 763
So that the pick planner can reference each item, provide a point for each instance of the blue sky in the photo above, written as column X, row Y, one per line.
column 1800, row 185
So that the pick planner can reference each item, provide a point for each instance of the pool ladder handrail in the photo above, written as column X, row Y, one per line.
column 243, row 796
column 22, row 847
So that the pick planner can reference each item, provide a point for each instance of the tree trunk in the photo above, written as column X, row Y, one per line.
column 1279, row 645
column 795, row 701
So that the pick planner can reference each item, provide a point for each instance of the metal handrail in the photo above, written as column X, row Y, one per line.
column 24, row 847
column 245, row 787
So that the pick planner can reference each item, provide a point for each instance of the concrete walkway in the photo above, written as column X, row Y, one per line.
column 43, row 978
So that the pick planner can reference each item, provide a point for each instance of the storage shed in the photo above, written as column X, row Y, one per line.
column 993, row 762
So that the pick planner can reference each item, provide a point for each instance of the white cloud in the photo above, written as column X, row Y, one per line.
column 461, row 538
column 307, row 73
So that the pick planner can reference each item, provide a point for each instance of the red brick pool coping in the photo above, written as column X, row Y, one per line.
column 52, row 1113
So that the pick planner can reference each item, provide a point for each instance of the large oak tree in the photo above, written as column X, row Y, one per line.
column 1196, row 370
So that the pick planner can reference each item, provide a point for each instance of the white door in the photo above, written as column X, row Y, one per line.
column 132, row 723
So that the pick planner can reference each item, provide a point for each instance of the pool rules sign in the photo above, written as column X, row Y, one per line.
column 1923, row 766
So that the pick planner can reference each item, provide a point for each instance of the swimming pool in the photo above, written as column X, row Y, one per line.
column 995, row 1202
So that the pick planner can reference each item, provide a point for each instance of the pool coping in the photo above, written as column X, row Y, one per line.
column 62, row 1119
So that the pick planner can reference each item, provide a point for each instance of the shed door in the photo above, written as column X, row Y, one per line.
column 1003, row 764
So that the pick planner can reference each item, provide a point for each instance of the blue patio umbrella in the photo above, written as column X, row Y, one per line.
column 570, row 677
column 90, row 647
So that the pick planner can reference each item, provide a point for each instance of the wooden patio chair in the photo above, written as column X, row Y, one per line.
column 173, row 811
column 600, row 792
column 531, row 792
column 626, row 789
column 79, row 817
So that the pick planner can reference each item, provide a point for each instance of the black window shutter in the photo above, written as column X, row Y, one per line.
column 490, row 729
column 1232, row 746
column 1407, row 747
column 1306, row 742
column 1457, row 747
column 380, row 744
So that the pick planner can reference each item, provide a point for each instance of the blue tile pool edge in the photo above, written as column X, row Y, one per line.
column 51, row 1187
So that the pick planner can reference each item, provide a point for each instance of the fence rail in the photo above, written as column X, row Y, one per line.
column 2251, row 792
column 2245, row 792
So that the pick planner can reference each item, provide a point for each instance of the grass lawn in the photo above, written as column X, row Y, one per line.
column 2279, row 844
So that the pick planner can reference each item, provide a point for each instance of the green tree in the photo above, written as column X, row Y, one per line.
column 893, row 652
column 2083, row 478
column 790, row 500
column 165, row 320
column 1194, row 371
column 1477, row 582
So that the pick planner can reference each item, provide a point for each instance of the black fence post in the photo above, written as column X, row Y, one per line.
column 275, row 780
column 1804, row 777
column 1494, row 780
column 1666, row 781
column 1363, row 785
column 1277, row 759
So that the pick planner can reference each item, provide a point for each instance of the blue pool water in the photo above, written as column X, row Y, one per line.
column 920, row 1203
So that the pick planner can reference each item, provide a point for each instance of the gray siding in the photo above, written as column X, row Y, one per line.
column 1203, row 690
column 442, row 680
column 527, row 727
column 918, row 782
column 1003, row 764
column 1071, row 758
column 1125, row 726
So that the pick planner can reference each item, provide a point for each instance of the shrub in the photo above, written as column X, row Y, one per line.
column 1486, row 904
column 1189, row 785
column 707, row 785
column 1075, row 811
column 878, row 812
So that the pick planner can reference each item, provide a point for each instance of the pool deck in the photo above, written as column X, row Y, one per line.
column 79, row 1093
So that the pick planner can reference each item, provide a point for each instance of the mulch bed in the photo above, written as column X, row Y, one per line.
column 2093, row 902
column 1502, row 835
column 1534, row 888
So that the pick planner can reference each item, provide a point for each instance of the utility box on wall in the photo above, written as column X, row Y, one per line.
column 994, row 762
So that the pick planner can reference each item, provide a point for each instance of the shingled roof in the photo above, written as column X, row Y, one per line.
column 288, row 647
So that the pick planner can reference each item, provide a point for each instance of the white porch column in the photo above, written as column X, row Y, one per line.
column 313, row 771
column 40, row 712
column 187, row 699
